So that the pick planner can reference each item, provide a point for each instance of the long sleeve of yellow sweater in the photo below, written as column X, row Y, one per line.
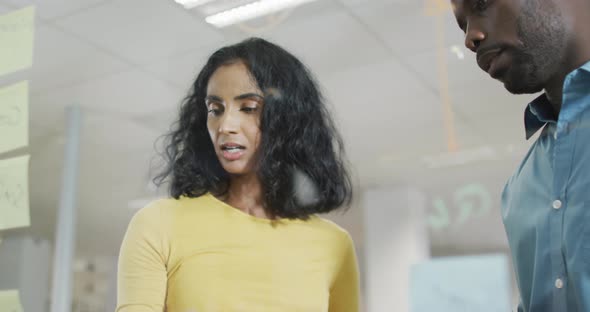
column 201, row 255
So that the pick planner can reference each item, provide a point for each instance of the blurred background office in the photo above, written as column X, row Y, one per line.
column 431, row 139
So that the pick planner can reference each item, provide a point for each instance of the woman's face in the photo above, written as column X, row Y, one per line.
column 234, row 103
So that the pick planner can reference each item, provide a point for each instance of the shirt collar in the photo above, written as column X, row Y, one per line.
column 539, row 112
column 585, row 67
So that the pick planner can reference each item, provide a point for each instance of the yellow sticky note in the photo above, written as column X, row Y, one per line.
column 14, row 192
column 10, row 301
column 437, row 7
column 16, row 35
column 14, row 116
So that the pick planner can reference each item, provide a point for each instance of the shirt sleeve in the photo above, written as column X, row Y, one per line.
column 142, row 276
column 344, row 294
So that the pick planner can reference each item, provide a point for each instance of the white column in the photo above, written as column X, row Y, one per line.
column 396, row 237
column 61, row 299
column 111, row 299
column 25, row 267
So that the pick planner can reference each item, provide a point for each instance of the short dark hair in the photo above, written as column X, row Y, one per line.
column 297, row 135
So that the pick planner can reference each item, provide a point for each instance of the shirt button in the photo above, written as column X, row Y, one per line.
column 559, row 283
column 557, row 204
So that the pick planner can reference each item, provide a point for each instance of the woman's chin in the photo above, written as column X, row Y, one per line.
column 236, row 169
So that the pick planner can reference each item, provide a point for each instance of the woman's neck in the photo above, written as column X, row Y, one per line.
column 245, row 193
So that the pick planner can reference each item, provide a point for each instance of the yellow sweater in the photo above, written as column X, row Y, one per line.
column 202, row 255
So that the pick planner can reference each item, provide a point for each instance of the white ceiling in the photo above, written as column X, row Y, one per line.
column 128, row 63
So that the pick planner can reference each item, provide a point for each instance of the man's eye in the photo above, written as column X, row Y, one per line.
column 480, row 5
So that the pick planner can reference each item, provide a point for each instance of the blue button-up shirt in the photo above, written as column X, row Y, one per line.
column 546, row 204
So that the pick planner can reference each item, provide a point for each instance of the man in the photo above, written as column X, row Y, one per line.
column 533, row 46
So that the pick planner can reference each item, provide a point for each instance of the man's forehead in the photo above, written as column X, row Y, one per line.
column 457, row 6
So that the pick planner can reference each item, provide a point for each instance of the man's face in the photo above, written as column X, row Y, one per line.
column 522, row 43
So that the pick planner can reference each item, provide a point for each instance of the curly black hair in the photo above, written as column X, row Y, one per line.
column 298, row 136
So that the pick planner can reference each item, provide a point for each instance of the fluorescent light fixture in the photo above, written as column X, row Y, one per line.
column 463, row 157
column 251, row 11
column 189, row 4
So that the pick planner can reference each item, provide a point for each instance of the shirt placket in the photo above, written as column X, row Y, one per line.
column 562, row 164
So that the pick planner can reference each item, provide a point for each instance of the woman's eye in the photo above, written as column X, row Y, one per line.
column 214, row 111
column 249, row 109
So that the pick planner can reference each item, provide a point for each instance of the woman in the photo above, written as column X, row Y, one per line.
column 238, row 233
